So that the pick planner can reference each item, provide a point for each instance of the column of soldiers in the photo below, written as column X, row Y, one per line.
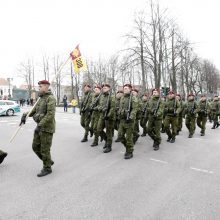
column 102, row 113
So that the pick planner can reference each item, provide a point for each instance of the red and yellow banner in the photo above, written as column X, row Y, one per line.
column 78, row 62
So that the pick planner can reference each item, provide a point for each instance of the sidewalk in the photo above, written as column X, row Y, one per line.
column 69, row 110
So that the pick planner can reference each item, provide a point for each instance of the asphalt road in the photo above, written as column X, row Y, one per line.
column 180, row 181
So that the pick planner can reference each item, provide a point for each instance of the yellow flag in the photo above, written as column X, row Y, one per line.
column 78, row 61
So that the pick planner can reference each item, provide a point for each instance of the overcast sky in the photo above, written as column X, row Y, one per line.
column 31, row 28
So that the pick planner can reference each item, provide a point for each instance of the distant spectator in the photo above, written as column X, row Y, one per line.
column 31, row 101
column 65, row 105
column 74, row 104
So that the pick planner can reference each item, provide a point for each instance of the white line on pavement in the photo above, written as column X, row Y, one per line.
column 13, row 123
column 160, row 161
column 201, row 170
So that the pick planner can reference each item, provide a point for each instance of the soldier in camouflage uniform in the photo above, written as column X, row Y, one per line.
column 106, row 108
column 203, row 111
column 171, row 111
column 163, row 98
column 215, row 111
column 190, row 111
column 2, row 156
column 144, row 114
column 117, row 105
column 138, row 117
column 127, row 111
column 95, row 114
column 85, row 112
column 155, row 109
column 44, row 115
column 180, row 115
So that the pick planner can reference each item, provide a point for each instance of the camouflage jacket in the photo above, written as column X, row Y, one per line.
column 124, row 107
column 156, row 107
column 215, row 107
column 203, row 108
column 191, row 108
column 144, row 109
column 44, row 112
column 107, row 106
column 172, row 107
column 86, row 102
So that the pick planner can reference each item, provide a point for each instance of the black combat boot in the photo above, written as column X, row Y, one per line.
column 91, row 132
column 156, row 147
column 107, row 149
column 128, row 155
column 190, row 136
column 94, row 144
column 143, row 135
column 44, row 172
column 2, row 157
column 172, row 140
column 202, row 134
column 117, row 140
column 85, row 139
column 168, row 139
column 52, row 162
column 105, row 145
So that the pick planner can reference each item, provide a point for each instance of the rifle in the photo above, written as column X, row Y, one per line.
column 84, row 103
column 144, row 111
column 96, row 101
column 193, row 108
column 157, row 107
column 174, row 108
column 106, row 110
column 129, row 108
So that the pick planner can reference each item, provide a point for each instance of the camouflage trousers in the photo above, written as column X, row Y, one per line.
column 201, row 122
column 125, row 134
column 191, row 124
column 179, row 122
column 171, row 120
column 94, row 126
column 108, row 125
column 136, row 130
column 154, row 126
column 215, row 119
column 41, row 145
column 85, row 122
column 143, row 124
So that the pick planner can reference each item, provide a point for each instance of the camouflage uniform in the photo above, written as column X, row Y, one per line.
column 191, row 113
column 215, row 112
column 137, row 121
column 117, row 117
column 126, row 126
column 171, row 110
column 106, row 108
column 156, row 108
column 203, row 111
column 2, row 156
column 180, row 117
column 86, row 114
column 95, row 117
column 144, row 117
column 44, row 115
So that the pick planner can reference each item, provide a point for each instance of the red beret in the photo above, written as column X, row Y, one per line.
column 98, row 87
column 155, row 90
column 191, row 94
column 127, row 85
column 145, row 94
column 216, row 96
column 135, row 90
column 87, row 85
column 120, row 91
column 43, row 82
column 178, row 95
column 170, row 93
column 106, row 85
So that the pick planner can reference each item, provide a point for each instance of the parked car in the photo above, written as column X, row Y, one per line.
column 8, row 107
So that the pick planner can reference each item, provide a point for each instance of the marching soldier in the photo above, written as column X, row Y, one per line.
column 95, row 114
column 117, row 105
column 44, row 115
column 191, row 113
column 203, row 111
column 180, row 115
column 85, row 112
column 215, row 111
column 144, row 114
column 163, row 98
column 107, row 117
column 127, row 111
column 171, row 110
column 2, row 156
column 138, row 116
column 156, row 108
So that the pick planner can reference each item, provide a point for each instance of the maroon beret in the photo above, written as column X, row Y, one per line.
column 98, row 87
column 135, row 90
column 191, row 94
column 120, row 91
column 106, row 85
column 43, row 82
column 170, row 93
column 87, row 85
column 127, row 85
column 178, row 95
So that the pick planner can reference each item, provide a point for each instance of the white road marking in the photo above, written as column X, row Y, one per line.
column 201, row 170
column 13, row 123
column 159, row 161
